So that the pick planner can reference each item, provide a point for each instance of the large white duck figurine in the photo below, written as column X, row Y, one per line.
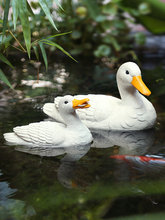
column 132, row 112
column 48, row 133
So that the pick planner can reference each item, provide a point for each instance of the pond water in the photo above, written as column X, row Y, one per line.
column 90, row 182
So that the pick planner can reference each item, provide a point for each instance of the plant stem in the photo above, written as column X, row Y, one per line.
column 16, row 40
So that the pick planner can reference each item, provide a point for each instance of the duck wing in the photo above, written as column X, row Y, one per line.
column 42, row 133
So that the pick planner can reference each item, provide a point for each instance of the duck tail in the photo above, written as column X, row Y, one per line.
column 51, row 110
column 11, row 137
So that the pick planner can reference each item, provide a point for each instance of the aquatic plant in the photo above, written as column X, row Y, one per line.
column 20, row 23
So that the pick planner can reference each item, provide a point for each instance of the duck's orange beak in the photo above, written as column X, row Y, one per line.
column 83, row 103
column 138, row 83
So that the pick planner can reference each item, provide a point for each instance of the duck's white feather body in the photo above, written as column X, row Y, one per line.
column 132, row 112
column 41, row 133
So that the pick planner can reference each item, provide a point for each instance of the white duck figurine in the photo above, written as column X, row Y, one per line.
column 132, row 112
column 48, row 133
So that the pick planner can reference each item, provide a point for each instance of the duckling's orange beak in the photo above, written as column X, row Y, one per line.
column 83, row 103
column 138, row 83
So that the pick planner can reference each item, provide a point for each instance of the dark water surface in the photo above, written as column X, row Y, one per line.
column 86, row 182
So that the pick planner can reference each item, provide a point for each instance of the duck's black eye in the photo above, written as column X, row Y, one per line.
column 66, row 102
column 127, row 72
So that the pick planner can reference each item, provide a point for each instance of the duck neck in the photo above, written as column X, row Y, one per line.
column 131, row 96
column 72, row 120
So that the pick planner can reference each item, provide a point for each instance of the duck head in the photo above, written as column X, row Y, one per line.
column 129, row 75
column 68, row 104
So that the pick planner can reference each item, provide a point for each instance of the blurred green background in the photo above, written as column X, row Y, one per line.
column 98, row 28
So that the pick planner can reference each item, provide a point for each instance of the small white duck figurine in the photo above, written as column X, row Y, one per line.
column 48, row 133
column 132, row 112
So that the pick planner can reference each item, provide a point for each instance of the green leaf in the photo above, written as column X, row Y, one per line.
column 56, row 35
column 43, row 54
column 4, row 79
column 36, row 52
column 34, row 5
column 76, row 34
column 102, row 50
column 111, row 40
column 101, row 18
column 3, row 58
column 154, row 25
column 154, row 21
column 157, row 8
column 51, row 43
column 15, row 7
column 7, row 38
column 77, row 51
column 115, row 44
column 30, row 10
column 93, row 8
column 119, row 23
column 5, row 18
column 106, row 25
column 45, row 8
column 57, row 2
column 109, row 8
column 25, row 24
column 140, row 38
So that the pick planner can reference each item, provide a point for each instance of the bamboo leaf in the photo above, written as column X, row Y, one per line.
column 45, row 8
column 36, row 52
column 51, row 43
column 57, row 2
column 4, row 79
column 5, row 40
column 43, row 53
column 56, row 35
column 15, row 7
column 25, row 24
column 30, row 10
column 35, row 42
column 5, row 19
column 3, row 58
column 52, row 36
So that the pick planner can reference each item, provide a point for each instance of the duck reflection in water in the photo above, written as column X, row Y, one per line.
column 66, row 171
column 129, row 142
column 136, row 143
